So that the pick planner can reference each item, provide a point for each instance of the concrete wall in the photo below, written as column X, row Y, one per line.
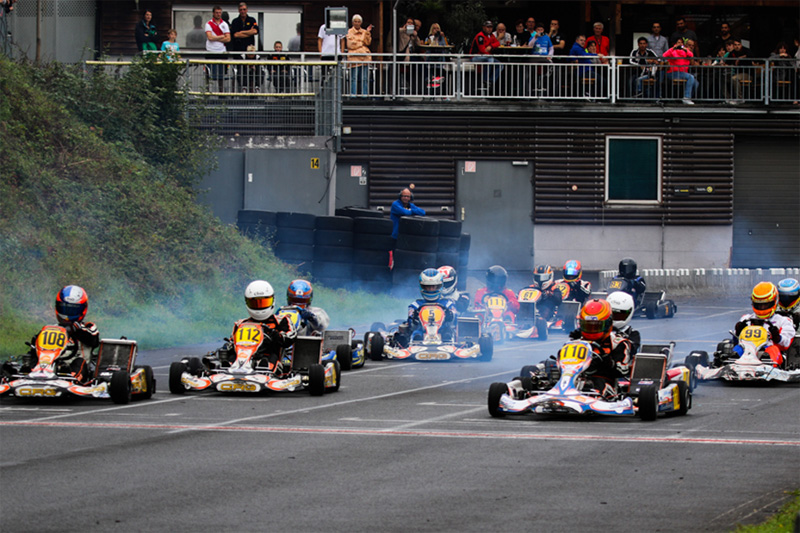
column 601, row 247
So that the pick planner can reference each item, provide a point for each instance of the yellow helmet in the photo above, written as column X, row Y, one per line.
column 765, row 299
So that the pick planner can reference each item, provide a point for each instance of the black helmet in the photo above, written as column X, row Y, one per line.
column 627, row 268
column 496, row 278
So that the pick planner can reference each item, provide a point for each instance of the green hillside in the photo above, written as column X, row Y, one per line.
column 96, row 177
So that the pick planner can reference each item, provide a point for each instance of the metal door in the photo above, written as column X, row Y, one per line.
column 494, row 201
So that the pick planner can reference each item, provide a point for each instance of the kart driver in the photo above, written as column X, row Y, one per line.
column 781, row 329
column 430, row 288
column 72, row 302
column 259, row 297
column 615, row 350
column 315, row 319
column 631, row 283
column 543, row 279
column 496, row 279
column 622, row 312
column 460, row 299
column 789, row 300
column 579, row 289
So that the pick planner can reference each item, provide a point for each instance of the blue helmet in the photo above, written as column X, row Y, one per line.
column 572, row 270
column 299, row 293
column 71, row 304
column 430, row 284
column 788, row 293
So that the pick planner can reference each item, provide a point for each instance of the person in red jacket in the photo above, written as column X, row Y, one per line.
column 496, row 279
column 483, row 45
column 678, row 58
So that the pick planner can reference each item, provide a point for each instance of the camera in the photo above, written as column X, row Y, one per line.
column 410, row 29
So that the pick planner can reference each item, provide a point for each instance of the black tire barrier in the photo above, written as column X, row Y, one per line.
column 373, row 273
column 449, row 228
column 294, row 252
column 373, row 226
column 370, row 257
column 449, row 244
column 330, row 237
column 334, row 223
column 448, row 258
column 295, row 220
column 417, row 243
column 257, row 231
column 332, row 269
column 367, row 241
column 418, row 261
column 372, row 287
column 294, row 236
column 425, row 226
column 304, row 268
column 333, row 282
column 252, row 216
column 336, row 254
column 354, row 212
column 466, row 240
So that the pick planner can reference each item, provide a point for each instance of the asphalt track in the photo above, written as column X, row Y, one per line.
column 402, row 447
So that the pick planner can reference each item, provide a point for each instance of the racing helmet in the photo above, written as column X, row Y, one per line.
column 788, row 293
column 299, row 293
column 621, row 308
column 543, row 276
column 496, row 278
column 450, row 279
column 596, row 320
column 627, row 268
column 572, row 270
column 259, row 297
column 765, row 299
column 71, row 304
column 430, row 284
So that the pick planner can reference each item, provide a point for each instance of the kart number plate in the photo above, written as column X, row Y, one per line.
column 52, row 338
column 496, row 302
column 573, row 353
column 248, row 335
column 755, row 334
column 528, row 295
column 431, row 313
column 615, row 285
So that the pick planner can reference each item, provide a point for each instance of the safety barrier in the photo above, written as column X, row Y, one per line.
column 733, row 279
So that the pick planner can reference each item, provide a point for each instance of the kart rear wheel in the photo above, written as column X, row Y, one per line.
column 149, row 383
column 316, row 380
column 650, row 310
column 486, row 345
column 528, row 371
column 377, row 326
column 344, row 355
column 684, row 398
column 541, row 329
column 496, row 391
column 120, row 387
column 374, row 346
column 176, row 370
column 195, row 366
column 648, row 402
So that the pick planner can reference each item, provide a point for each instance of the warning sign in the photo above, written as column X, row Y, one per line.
column 469, row 166
column 355, row 171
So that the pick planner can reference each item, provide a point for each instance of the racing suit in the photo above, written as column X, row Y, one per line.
column 632, row 335
column 460, row 299
column 547, row 306
column 83, row 338
column 579, row 289
column 447, row 329
column 314, row 320
column 278, row 336
column 781, row 332
column 616, row 359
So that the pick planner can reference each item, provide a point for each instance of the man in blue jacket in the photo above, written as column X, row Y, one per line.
column 402, row 207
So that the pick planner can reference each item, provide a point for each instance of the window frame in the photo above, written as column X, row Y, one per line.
column 659, row 163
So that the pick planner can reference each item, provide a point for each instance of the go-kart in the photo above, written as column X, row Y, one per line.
column 559, row 386
column 233, row 368
column 531, row 324
column 342, row 346
column 753, row 365
column 497, row 320
column 427, row 343
column 46, row 375
column 653, row 303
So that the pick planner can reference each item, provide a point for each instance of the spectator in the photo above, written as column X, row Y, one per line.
column 250, row 75
column 217, row 34
column 328, row 45
column 280, row 75
column 657, row 42
column 196, row 38
column 436, row 36
column 408, row 42
column 481, row 50
column 559, row 44
column 603, row 44
column 403, row 207
column 585, row 74
column 678, row 60
column 505, row 39
column 720, row 38
column 296, row 42
column 358, row 41
column 530, row 27
column 541, row 52
column 243, row 30
column 781, row 64
column 681, row 32
column 170, row 47
column 741, row 74
column 8, row 7
column 146, row 33
column 521, row 35
column 434, row 72
column 645, row 58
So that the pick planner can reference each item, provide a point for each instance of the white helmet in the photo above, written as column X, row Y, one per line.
column 621, row 308
column 259, row 299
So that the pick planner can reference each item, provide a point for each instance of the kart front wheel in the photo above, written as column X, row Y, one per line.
column 496, row 391
column 316, row 380
column 344, row 354
column 176, row 370
column 648, row 402
column 684, row 398
column 337, row 373
column 120, row 387
column 541, row 329
column 486, row 345
column 149, row 383
column 374, row 345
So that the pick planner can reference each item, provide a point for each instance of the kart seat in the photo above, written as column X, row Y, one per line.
column 650, row 367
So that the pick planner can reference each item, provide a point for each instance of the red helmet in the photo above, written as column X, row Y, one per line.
column 572, row 270
column 765, row 299
column 71, row 304
column 596, row 320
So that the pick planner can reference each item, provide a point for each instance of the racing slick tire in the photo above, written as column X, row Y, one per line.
column 373, row 345
column 176, row 370
column 684, row 398
column 423, row 226
column 486, row 344
column 120, row 387
column 316, row 380
column 149, row 383
column 450, row 228
column 650, row 310
column 195, row 366
column 541, row 329
column 335, row 223
column 337, row 372
column 344, row 354
column 695, row 358
column 648, row 402
column 496, row 391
